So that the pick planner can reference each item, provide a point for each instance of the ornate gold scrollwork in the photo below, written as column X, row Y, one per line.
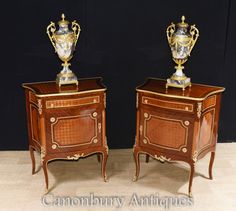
column 75, row 157
column 40, row 106
column 141, row 129
column 199, row 109
column 99, row 127
column 42, row 154
column 162, row 158
column 194, row 157
column 76, row 28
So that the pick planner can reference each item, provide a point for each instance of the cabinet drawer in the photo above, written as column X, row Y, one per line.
column 72, row 102
column 188, row 107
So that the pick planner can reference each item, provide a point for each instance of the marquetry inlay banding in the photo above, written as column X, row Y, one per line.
column 72, row 102
column 167, row 104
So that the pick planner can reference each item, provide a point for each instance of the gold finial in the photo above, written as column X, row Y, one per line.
column 63, row 17
column 183, row 18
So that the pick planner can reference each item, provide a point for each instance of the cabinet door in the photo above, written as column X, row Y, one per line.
column 165, row 131
column 73, row 128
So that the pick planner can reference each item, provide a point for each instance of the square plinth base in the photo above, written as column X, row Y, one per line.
column 174, row 84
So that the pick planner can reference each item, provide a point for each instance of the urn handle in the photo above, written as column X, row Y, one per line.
column 169, row 32
column 195, row 34
column 50, row 31
column 76, row 28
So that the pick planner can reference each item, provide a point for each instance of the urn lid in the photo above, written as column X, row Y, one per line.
column 182, row 24
column 63, row 22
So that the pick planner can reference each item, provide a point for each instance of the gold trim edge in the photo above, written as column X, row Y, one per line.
column 191, row 82
column 179, row 97
column 64, row 93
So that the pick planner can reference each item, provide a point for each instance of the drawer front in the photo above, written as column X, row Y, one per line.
column 165, row 131
column 72, row 102
column 173, row 105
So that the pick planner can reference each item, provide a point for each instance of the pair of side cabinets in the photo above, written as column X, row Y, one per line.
column 171, row 124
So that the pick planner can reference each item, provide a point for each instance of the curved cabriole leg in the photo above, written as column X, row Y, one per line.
column 137, row 163
column 147, row 158
column 211, row 164
column 104, row 162
column 32, row 159
column 192, row 169
column 98, row 157
column 45, row 170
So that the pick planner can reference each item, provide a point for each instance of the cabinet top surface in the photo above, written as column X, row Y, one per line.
column 196, row 92
column 50, row 88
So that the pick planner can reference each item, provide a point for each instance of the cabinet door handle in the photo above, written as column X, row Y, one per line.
column 99, row 127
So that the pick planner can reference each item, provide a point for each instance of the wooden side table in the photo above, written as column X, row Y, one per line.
column 66, row 122
column 172, row 124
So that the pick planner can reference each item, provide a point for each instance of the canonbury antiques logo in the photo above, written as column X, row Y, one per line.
column 135, row 200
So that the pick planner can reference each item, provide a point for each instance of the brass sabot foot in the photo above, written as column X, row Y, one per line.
column 105, row 178
column 135, row 178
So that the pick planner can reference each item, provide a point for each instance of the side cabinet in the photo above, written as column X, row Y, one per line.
column 172, row 124
column 66, row 125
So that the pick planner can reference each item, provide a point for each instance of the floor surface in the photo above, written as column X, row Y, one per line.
column 78, row 185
